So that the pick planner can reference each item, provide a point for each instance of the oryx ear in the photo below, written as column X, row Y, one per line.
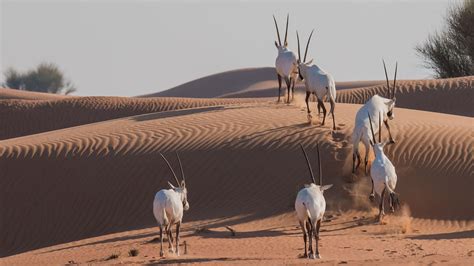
column 309, row 62
column 325, row 187
column 171, row 185
column 391, row 102
column 276, row 44
column 183, row 184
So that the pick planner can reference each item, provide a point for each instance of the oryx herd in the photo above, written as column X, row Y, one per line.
column 310, row 204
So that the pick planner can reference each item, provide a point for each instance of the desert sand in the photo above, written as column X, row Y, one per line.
column 78, row 179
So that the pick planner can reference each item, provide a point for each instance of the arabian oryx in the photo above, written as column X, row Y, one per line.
column 382, row 172
column 374, row 106
column 168, row 207
column 318, row 82
column 310, row 206
column 285, row 63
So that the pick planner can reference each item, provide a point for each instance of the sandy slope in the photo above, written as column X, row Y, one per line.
column 29, row 95
column 25, row 117
column 244, row 169
column 248, row 82
column 451, row 96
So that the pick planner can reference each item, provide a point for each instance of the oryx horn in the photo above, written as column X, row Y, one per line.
column 278, row 32
column 309, row 165
column 319, row 165
column 181, row 167
column 286, row 31
column 169, row 166
column 394, row 80
column 307, row 45
column 371, row 128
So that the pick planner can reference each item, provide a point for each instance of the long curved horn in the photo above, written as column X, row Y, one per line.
column 307, row 45
column 380, row 128
column 286, row 31
column 386, row 77
column 298, row 39
column 309, row 165
column 181, row 167
column 278, row 32
column 319, row 165
column 371, row 128
column 169, row 166
column 394, row 80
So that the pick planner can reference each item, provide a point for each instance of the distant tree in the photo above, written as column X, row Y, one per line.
column 47, row 77
column 450, row 53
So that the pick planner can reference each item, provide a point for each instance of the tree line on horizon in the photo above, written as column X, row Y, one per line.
column 449, row 53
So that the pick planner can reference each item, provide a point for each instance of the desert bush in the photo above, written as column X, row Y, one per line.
column 450, row 52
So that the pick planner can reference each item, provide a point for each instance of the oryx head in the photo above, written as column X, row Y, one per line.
column 321, row 187
column 378, row 146
column 390, row 92
column 282, row 47
column 302, row 64
column 181, row 188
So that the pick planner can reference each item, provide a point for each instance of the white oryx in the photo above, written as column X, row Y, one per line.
column 285, row 63
column 318, row 82
column 374, row 106
column 310, row 206
column 168, row 207
column 382, row 172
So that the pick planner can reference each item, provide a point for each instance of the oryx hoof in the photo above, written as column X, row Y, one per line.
column 392, row 141
column 310, row 117
column 171, row 250
column 392, row 209
column 162, row 254
column 311, row 256
column 177, row 253
column 372, row 197
column 318, row 256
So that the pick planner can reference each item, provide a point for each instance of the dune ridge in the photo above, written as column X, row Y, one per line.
column 91, row 167
column 26, row 117
column 9, row 94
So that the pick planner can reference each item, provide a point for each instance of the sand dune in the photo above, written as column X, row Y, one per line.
column 451, row 96
column 29, row 95
column 241, row 83
column 26, row 117
column 243, row 162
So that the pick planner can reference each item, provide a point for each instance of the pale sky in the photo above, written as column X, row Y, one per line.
column 129, row 48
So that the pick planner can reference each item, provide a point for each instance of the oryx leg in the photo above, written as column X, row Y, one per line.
column 288, row 88
column 170, row 238
column 305, row 238
column 392, row 202
column 389, row 133
column 333, row 105
column 293, row 88
column 279, row 87
column 310, row 228
column 366, row 159
column 161, row 242
column 319, row 109
column 316, row 236
column 307, row 105
column 320, row 102
column 178, row 225
column 355, row 157
column 372, row 194
column 381, row 207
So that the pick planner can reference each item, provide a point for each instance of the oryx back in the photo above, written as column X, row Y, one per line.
column 310, row 203
column 167, row 207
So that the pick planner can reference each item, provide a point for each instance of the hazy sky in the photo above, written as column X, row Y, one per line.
column 137, row 47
